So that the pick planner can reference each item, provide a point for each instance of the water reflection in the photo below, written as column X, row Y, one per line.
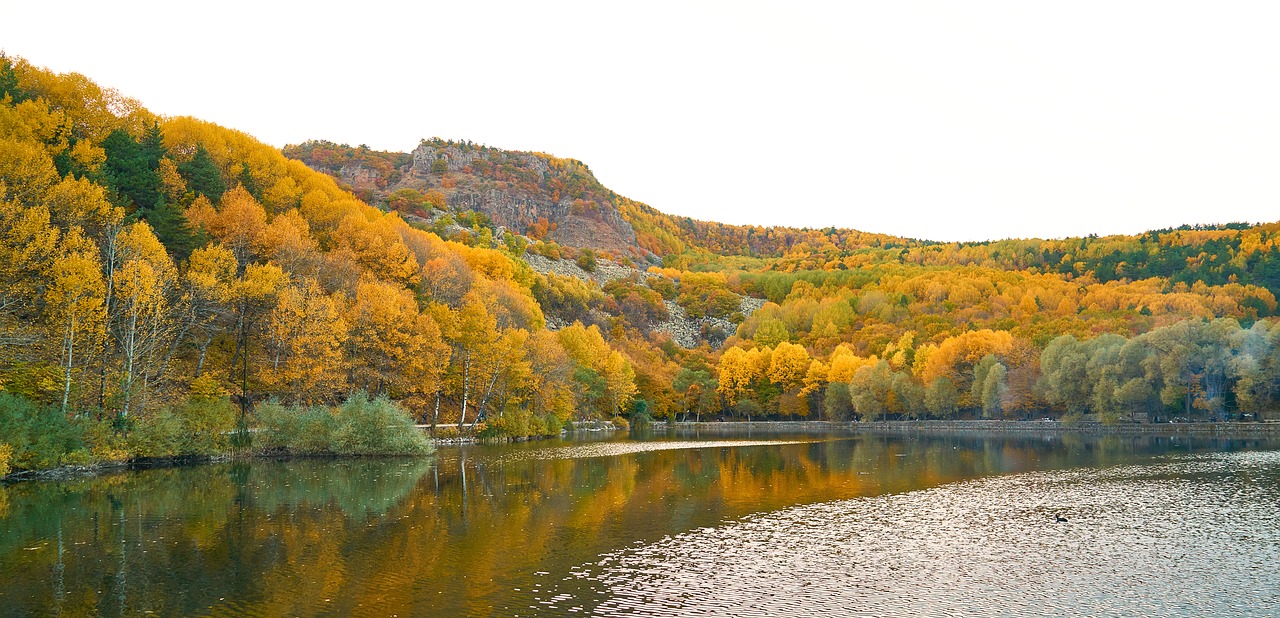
column 478, row 530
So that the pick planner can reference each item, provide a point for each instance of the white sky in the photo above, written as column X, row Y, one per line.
column 940, row 120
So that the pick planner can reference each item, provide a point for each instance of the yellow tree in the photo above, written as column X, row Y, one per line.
column 80, row 203
column 788, row 366
column 252, row 295
column 474, row 335
column 208, row 293
column 551, row 370
column 75, row 296
column 607, row 377
column 737, row 372
column 239, row 223
column 509, row 374
column 305, row 336
column 142, row 285
column 28, row 245
column 394, row 348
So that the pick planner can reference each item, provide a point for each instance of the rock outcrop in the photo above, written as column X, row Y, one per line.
column 605, row 270
column 688, row 332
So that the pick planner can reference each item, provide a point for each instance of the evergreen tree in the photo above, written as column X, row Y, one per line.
column 170, row 225
column 202, row 175
column 9, row 81
column 249, row 184
column 130, row 169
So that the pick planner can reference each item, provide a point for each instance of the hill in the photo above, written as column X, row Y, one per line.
column 541, row 196
column 155, row 270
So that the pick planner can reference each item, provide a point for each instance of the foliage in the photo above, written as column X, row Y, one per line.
column 307, row 430
column 39, row 436
column 149, row 267
column 376, row 427
column 837, row 405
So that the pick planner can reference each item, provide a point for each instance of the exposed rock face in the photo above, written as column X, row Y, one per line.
column 605, row 272
column 361, row 177
column 514, row 189
column 523, row 199
column 688, row 332
column 685, row 331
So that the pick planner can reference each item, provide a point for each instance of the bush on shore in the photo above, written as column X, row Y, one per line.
column 39, row 436
column 376, row 427
column 519, row 423
column 361, row 426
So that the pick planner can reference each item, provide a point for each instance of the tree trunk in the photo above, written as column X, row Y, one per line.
column 204, row 348
column 71, row 344
column 466, row 388
column 485, row 399
column 108, row 304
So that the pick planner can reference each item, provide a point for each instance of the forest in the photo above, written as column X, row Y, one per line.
column 171, row 287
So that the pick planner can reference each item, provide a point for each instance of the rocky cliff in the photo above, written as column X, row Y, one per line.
column 530, row 193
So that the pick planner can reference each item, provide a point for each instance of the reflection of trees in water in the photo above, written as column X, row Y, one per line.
column 175, row 540
column 445, row 536
column 360, row 488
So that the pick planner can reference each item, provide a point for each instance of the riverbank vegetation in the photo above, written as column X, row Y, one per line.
column 169, row 287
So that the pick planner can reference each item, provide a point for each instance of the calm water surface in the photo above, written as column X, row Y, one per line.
column 668, row 525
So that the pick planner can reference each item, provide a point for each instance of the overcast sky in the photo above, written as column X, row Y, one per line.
column 939, row 120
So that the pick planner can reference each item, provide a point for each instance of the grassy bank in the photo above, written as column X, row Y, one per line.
column 36, row 437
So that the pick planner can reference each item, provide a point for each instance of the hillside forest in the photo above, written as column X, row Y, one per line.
column 171, row 287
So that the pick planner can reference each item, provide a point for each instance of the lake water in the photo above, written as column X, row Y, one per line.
column 669, row 525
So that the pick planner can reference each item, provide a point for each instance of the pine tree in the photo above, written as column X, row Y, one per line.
column 129, row 171
column 171, row 227
column 202, row 175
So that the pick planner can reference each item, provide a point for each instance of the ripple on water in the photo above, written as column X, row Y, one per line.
column 1194, row 537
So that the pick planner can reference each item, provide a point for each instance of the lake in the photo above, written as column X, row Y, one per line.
column 669, row 524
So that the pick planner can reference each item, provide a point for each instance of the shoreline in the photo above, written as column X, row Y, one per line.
column 992, row 427
column 934, row 427
column 69, row 473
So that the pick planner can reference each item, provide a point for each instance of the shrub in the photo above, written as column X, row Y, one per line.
column 6, row 452
column 200, row 426
column 301, row 430
column 376, row 427
column 105, row 442
column 447, row 433
column 206, row 425
column 640, row 416
column 39, row 436
column 521, row 423
column 513, row 423
column 747, row 408
column 160, row 436
column 551, row 425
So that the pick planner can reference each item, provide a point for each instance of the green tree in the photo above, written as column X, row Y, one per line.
column 130, row 169
column 836, row 403
column 995, row 391
column 942, row 398
column 202, row 175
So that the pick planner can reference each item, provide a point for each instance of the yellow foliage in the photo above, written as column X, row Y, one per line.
column 788, row 365
column 956, row 355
